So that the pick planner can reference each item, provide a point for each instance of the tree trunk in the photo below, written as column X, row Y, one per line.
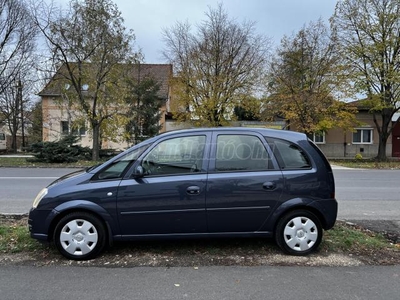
column 383, row 137
column 382, row 149
column 14, row 131
column 96, row 142
column 14, row 145
column 384, row 134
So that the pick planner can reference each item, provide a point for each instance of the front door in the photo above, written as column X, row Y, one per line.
column 170, row 197
column 396, row 146
column 244, row 184
column 396, row 141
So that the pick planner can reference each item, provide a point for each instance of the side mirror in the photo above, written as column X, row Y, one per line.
column 139, row 171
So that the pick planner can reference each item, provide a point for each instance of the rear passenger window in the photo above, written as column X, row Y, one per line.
column 289, row 155
column 241, row 153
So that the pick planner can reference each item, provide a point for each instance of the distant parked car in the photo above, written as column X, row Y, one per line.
column 217, row 182
column 3, row 142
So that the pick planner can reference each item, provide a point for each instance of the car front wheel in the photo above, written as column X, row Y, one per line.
column 298, row 232
column 80, row 236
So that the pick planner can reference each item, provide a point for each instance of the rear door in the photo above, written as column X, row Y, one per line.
column 244, row 182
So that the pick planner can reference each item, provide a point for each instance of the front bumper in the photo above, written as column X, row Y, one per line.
column 39, row 224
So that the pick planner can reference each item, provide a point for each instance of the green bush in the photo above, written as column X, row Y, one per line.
column 358, row 156
column 63, row 151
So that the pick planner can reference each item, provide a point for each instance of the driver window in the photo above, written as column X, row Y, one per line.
column 176, row 156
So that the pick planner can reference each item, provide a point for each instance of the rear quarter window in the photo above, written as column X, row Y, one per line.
column 289, row 155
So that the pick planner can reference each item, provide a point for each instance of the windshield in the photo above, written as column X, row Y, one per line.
column 134, row 154
column 119, row 165
column 2, row 136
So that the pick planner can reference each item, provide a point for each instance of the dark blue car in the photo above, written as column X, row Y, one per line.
column 229, row 182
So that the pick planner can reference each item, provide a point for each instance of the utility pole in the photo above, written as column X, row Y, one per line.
column 14, row 127
column 19, row 96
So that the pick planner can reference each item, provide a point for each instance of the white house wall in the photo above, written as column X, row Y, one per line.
column 53, row 114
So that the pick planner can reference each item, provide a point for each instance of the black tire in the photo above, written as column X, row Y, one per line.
column 299, row 232
column 80, row 236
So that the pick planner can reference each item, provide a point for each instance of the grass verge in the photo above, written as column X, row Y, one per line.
column 14, row 238
column 366, row 164
column 347, row 238
column 343, row 238
column 30, row 163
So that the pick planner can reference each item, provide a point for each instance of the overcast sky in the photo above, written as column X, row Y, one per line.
column 274, row 18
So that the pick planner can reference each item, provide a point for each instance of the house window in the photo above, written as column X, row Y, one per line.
column 317, row 137
column 78, row 131
column 362, row 136
column 66, row 129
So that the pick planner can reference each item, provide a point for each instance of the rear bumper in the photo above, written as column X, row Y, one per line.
column 328, row 209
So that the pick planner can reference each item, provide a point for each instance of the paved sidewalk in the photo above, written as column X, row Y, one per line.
column 334, row 167
column 16, row 155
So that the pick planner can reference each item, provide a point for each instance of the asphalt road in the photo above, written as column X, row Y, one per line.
column 19, row 186
column 362, row 194
column 368, row 194
column 205, row 283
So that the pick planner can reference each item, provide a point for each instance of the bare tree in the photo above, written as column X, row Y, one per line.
column 17, row 40
column 17, row 45
column 14, row 105
column 369, row 32
column 215, row 67
column 88, row 43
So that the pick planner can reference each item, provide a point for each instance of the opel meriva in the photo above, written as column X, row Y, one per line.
column 216, row 182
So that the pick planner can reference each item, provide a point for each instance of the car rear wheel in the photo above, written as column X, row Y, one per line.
column 80, row 236
column 298, row 232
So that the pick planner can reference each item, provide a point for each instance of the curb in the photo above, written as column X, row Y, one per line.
column 11, row 216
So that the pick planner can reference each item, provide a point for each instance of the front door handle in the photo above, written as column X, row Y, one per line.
column 269, row 186
column 193, row 190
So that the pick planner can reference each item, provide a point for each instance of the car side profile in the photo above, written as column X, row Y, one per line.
column 211, row 182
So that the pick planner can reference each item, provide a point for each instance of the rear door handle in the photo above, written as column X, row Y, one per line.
column 269, row 186
column 193, row 190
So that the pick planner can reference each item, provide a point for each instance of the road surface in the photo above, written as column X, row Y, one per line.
column 19, row 186
column 362, row 194
column 205, row 283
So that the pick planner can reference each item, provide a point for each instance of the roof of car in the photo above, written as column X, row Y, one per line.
column 276, row 133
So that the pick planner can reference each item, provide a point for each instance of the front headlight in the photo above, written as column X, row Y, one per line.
column 39, row 197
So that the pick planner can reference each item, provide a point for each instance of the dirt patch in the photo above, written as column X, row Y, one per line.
column 243, row 252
